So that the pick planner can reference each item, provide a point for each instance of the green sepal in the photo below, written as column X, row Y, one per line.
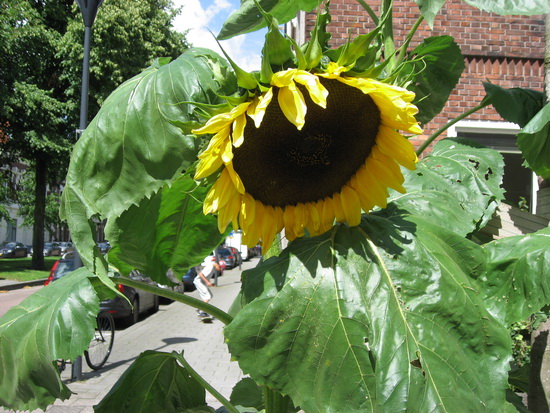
column 277, row 48
column 319, row 39
column 300, row 57
column 351, row 52
column 244, row 79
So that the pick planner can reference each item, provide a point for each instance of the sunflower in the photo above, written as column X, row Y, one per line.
column 312, row 149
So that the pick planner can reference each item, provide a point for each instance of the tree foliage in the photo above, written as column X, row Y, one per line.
column 40, row 78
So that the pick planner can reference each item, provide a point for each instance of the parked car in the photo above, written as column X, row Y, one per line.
column 66, row 247
column 188, row 279
column 52, row 248
column 104, row 247
column 227, row 256
column 118, row 307
column 238, row 257
column 13, row 250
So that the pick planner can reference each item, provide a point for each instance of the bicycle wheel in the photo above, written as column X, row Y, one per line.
column 102, row 342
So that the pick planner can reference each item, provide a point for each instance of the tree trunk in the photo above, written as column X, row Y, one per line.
column 41, row 170
column 539, row 376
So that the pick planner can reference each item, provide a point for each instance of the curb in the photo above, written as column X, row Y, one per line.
column 8, row 285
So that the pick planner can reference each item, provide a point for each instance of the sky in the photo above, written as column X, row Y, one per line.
column 204, row 16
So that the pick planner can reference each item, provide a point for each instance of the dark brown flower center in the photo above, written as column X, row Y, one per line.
column 280, row 165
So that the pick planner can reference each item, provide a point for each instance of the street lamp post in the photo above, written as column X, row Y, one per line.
column 89, row 12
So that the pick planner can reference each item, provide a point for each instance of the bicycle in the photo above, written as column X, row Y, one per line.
column 101, row 345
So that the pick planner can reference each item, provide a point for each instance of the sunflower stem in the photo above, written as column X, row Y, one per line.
column 410, row 35
column 485, row 102
column 275, row 402
column 182, row 298
column 387, row 32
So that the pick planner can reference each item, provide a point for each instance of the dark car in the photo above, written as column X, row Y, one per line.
column 13, row 250
column 52, row 248
column 236, row 253
column 188, row 279
column 118, row 307
column 228, row 256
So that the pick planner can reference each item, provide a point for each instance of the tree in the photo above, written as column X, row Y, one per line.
column 40, row 78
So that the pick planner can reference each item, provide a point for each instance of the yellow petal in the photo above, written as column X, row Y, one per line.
column 300, row 214
column 258, row 111
column 247, row 213
column 396, row 146
column 238, row 130
column 229, row 212
column 317, row 91
column 338, row 209
column 283, row 78
column 222, row 190
column 235, row 178
column 351, row 206
column 289, row 222
column 365, row 196
column 387, row 173
column 314, row 220
column 326, row 214
column 293, row 105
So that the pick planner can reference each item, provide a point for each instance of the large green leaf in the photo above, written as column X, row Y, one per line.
column 436, row 72
column 457, row 185
column 528, row 7
column 56, row 322
column 248, row 19
column 534, row 142
column 168, row 230
column 133, row 147
column 155, row 382
column 386, row 316
column 429, row 9
column 515, row 105
column 516, row 282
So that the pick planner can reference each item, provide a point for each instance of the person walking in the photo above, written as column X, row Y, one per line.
column 202, row 282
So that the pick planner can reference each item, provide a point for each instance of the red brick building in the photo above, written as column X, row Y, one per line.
column 505, row 50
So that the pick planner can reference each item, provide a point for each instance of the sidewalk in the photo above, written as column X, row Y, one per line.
column 174, row 328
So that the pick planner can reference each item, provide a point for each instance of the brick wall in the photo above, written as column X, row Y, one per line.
column 506, row 50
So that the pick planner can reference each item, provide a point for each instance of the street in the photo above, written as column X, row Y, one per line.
column 174, row 328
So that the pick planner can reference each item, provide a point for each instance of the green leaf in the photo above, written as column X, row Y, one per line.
column 516, row 282
column 457, row 185
column 429, row 9
column 534, row 143
column 56, row 322
column 436, row 69
column 507, row 7
column 132, row 149
column 515, row 105
column 155, row 382
column 360, row 319
column 168, row 230
column 247, row 393
column 248, row 19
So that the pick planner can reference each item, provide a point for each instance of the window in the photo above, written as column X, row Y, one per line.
column 519, row 182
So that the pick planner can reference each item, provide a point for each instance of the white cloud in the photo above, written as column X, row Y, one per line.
column 201, row 20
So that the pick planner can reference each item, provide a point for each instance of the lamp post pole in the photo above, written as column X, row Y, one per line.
column 89, row 12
